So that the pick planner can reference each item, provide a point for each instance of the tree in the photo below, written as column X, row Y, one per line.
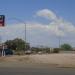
column 17, row 44
column 66, row 47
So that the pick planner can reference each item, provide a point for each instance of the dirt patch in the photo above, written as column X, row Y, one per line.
column 60, row 60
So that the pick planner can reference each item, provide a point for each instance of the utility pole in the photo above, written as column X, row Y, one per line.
column 59, row 41
column 25, row 37
column 19, row 20
column 0, row 40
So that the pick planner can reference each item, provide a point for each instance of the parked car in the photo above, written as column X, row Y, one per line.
column 8, row 52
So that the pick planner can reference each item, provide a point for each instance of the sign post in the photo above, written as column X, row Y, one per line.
column 2, row 24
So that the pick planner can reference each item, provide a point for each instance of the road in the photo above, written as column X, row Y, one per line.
column 36, row 71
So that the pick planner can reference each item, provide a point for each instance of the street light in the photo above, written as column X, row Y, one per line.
column 59, row 41
column 19, row 20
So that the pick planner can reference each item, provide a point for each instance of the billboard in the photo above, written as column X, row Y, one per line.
column 2, row 20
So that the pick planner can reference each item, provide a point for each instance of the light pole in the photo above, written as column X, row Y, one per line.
column 59, row 41
column 19, row 20
column 25, row 36
column 0, row 40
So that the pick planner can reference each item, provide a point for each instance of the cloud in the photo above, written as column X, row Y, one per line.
column 62, row 28
column 39, row 33
column 57, row 25
column 18, row 30
column 46, row 14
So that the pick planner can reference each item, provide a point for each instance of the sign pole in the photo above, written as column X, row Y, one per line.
column 2, row 24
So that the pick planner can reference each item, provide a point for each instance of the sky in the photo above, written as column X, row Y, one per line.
column 47, row 21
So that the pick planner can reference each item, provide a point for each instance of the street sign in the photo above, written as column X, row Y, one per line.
column 2, row 20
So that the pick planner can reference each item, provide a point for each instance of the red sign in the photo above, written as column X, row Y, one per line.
column 2, row 20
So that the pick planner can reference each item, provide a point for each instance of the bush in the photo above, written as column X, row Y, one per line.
column 19, row 53
column 66, row 47
column 56, row 50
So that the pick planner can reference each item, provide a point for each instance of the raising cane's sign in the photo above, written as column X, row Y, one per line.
column 2, row 20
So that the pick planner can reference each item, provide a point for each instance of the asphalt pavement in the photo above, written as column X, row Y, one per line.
column 36, row 71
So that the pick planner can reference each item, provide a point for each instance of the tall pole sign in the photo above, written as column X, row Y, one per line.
column 2, row 20
column 2, row 24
